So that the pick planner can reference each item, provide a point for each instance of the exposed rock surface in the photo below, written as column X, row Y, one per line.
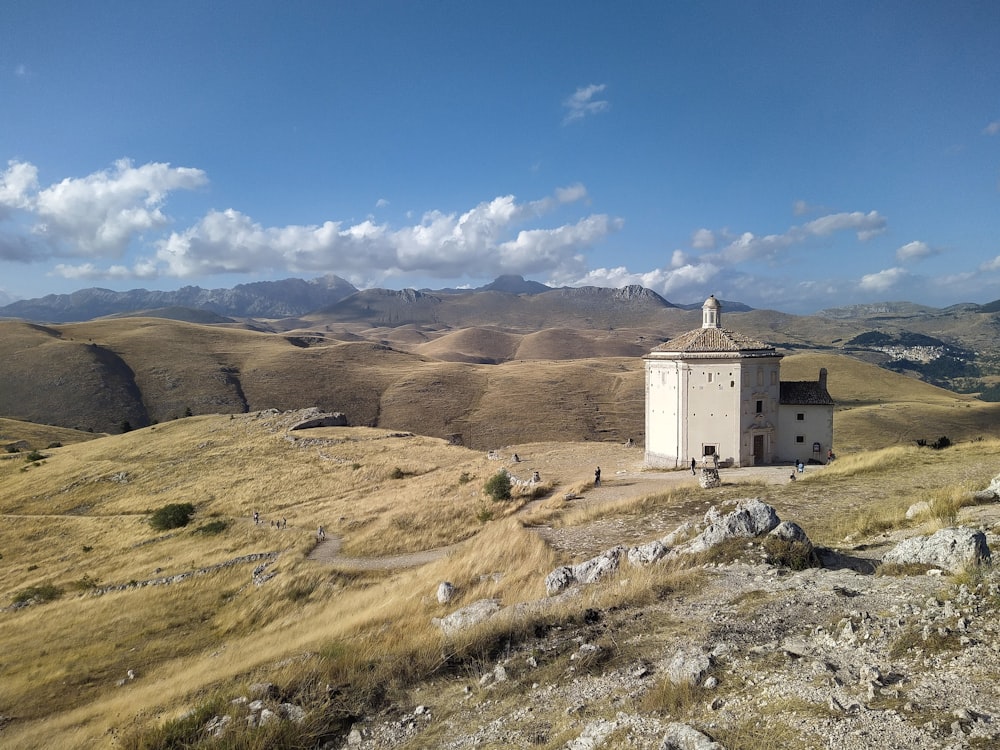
column 825, row 657
column 949, row 549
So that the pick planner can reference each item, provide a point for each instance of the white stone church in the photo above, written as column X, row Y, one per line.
column 712, row 392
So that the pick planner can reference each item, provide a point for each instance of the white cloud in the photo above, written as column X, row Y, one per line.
column 583, row 102
column 800, row 208
column 99, row 214
column 16, row 185
column 991, row 265
column 748, row 246
column 992, row 129
column 913, row 251
column 381, row 203
column 882, row 281
column 867, row 225
column 703, row 239
column 478, row 242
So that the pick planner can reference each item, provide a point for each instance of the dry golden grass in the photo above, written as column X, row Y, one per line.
column 80, row 516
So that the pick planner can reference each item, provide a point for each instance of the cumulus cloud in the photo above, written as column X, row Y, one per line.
column 913, row 251
column 17, row 184
column 584, row 101
column 882, row 281
column 993, row 128
column 94, row 216
column 100, row 213
column 748, row 246
column 482, row 240
column 703, row 239
column 991, row 265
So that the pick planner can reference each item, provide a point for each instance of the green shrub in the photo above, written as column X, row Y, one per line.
column 172, row 516
column 787, row 554
column 212, row 527
column 34, row 456
column 464, row 478
column 56, row 444
column 498, row 486
column 43, row 592
column 86, row 583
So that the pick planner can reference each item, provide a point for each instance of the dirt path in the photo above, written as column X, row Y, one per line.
column 571, row 465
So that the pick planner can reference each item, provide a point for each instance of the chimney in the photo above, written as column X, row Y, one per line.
column 822, row 378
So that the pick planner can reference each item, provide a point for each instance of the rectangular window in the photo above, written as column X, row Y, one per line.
column 800, row 416
column 709, row 377
column 800, row 438
column 709, row 450
column 760, row 407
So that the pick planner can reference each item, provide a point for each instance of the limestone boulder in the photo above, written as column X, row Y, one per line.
column 949, row 549
column 790, row 531
column 588, row 571
column 460, row 619
column 315, row 418
column 647, row 554
column 683, row 737
column 752, row 517
column 991, row 493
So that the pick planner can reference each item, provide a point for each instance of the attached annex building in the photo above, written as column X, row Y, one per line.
column 713, row 392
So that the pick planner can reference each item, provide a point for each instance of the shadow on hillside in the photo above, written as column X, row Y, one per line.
column 833, row 560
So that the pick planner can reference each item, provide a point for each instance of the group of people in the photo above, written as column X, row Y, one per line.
column 275, row 524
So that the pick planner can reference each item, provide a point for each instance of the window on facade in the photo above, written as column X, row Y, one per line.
column 800, row 438
column 709, row 377
column 774, row 377
column 800, row 416
column 709, row 450
column 732, row 383
column 760, row 376
column 760, row 407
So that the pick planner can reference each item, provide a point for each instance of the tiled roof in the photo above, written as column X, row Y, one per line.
column 713, row 340
column 804, row 392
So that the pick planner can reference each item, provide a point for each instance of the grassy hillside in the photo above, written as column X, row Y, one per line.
column 555, row 384
column 77, row 521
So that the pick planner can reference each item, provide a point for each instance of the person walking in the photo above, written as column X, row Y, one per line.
column 694, row 463
column 597, row 477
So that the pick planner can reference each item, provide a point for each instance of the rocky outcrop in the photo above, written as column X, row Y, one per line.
column 991, row 493
column 683, row 737
column 315, row 418
column 460, row 619
column 752, row 517
column 588, row 571
column 948, row 549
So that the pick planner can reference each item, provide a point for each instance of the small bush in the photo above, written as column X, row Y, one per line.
column 88, row 548
column 86, row 583
column 464, row 478
column 397, row 473
column 44, row 592
column 786, row 554
column 212, row 527
column 172, row 516
column 498, row 487
column 56, row 444
column 34, row 456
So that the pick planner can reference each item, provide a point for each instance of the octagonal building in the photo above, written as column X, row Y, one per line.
column 714, row 392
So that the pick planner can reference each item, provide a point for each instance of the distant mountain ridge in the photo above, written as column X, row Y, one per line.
column 512, row 298
column 260, row 299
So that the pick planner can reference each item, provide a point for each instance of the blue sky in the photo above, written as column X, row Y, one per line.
column 789, row 155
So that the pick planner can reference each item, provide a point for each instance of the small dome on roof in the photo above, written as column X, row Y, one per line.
column 712, row 302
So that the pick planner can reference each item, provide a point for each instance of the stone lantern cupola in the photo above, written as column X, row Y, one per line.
column 711, row 313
